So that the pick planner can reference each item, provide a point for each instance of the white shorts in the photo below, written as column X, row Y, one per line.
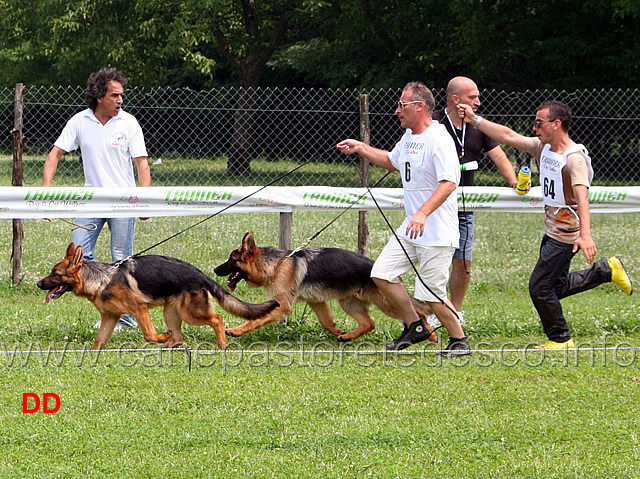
column 432, row 263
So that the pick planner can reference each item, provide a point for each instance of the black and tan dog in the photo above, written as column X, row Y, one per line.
column 315, row 276
column 143, row 282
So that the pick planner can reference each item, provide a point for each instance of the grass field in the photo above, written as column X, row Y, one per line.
column 212, row 172
column 288, row 401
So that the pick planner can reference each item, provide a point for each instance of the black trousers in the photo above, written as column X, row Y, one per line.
column 551, row 281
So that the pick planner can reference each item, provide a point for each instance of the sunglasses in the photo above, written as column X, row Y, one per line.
column 402, row 104
column 539, row 123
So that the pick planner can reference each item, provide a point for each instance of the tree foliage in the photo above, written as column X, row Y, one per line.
column 243, row 34
column 505, row 44
column 50, row 42
column 552, row 44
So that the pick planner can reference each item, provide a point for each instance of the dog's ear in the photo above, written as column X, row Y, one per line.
column 248, row 242
column 248, row 248
column 77, row 256
column 71, row 249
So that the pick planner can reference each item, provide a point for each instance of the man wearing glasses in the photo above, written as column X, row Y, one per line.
column 565, row 177
column 428, row 164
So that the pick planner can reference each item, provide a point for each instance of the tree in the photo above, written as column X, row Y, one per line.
column 246, row 35
column 377, row 43
column 502, row 44
column 51, row 42
column 561, row 44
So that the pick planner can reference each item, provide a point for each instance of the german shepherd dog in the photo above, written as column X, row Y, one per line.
column 315, row 276
column 142, row 282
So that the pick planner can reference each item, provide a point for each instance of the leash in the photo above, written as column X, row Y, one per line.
column 393, row 231
column 314, row 236
column 406, row 253
column 86, row 226
column 218, row 212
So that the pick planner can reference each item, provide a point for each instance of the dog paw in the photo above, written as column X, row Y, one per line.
column 233, row 333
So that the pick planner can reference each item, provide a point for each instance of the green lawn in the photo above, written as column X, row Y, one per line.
column 212, row 171
column 287, row 401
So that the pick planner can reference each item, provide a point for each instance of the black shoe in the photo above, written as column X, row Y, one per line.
column 415, row 333
column 456, row 347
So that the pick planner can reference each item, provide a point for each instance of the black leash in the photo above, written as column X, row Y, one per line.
column 311, row 238
column 413, row 266
column 218, row 212
column 393, row 231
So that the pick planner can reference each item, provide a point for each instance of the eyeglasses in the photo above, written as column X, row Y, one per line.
column 402, row 104
column 538, row 123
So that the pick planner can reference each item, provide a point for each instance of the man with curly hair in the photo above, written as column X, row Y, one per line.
column 108, row 138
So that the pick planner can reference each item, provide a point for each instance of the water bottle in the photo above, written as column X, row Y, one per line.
column 524, row 175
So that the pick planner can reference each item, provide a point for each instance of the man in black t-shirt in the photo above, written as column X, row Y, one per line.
column 476, row 143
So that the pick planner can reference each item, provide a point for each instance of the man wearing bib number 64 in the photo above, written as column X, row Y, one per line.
column 565, row 177
column 427, row 160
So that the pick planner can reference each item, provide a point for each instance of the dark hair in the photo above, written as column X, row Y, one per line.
column 558, row 111
column 419, row 92
column 98, row 84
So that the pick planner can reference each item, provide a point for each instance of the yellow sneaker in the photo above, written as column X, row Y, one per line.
column 619, row 275
column 554, row 345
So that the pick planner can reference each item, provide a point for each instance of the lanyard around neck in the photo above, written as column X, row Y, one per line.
column 455, row 135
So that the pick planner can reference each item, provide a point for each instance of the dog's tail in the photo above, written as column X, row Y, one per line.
column 237, row 307
column 421, row 307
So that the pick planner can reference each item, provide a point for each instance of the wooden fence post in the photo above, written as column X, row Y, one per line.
column 285, row 230
column 365, row 136
column 16, row 180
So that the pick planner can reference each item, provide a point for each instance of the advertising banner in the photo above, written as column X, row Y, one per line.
column 71, row 202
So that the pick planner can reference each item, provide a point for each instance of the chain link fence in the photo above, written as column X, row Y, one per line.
column 235, row 136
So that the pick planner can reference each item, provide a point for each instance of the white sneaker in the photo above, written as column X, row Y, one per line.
column 116, row 329
column 434, row 322
column 126, row 321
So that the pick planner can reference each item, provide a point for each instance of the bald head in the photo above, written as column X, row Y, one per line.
column 463, row 90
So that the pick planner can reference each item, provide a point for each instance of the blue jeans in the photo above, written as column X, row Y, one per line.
column 466, row 225
column 122, row 233
column 550, row 282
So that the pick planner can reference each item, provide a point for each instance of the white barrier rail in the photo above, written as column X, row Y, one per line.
column 71, row 202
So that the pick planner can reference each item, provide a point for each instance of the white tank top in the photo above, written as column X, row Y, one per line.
column 551, row 178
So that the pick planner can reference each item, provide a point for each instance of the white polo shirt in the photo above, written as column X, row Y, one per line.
column 107, row 150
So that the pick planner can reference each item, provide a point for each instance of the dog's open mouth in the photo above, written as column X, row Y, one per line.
column 234, row 279
column 56, row 292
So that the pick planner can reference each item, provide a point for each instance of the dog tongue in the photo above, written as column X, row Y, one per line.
column 49, row 294
column 232, row 281
column 53, row 293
